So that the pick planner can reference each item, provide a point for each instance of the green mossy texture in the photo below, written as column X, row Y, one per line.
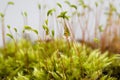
column 56, row 60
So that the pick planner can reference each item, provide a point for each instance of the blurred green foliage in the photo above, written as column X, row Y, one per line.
column 55, row 60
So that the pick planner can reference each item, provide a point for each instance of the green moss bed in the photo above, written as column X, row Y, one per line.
column 56, row 60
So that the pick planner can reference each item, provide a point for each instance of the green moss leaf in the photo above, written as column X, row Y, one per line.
column 45, row 27
column 59, row 5
column 35, row 31
column 81, row 2
column 66, row 31
column 46, row 21
column 112, row 7
column 100, row 28
column 63, row 15
column 27, row 27
column 24, row 13
column 67, row 2
column 23, row 31
column 53, row 33
column 8, row 26
column 10, row 3
column 96, row 40
column 74, row 6
column 15, row 29
column 9, row 35
column 50, row 12
column 96, row 4
column 39, row 6
column 1, row 15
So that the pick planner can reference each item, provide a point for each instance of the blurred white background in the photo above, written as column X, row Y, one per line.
column 14, row 18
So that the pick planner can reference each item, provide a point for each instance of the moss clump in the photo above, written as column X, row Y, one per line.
column 55, row 60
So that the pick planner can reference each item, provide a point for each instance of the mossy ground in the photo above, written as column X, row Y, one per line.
column 56, row 60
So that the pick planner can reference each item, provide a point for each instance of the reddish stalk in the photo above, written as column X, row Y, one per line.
column 3, row 27
column 3, row 33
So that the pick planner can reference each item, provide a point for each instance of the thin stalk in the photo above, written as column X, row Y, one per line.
column 84, row 27
column 3, row 33
column 86, row 24
column 55, row 25
column 81, row 27
column 25, row 20
column 14, row 41
column 71, row 31
column 65, row 25
column 40, row 21
column 3, row 27
column 96, row 24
